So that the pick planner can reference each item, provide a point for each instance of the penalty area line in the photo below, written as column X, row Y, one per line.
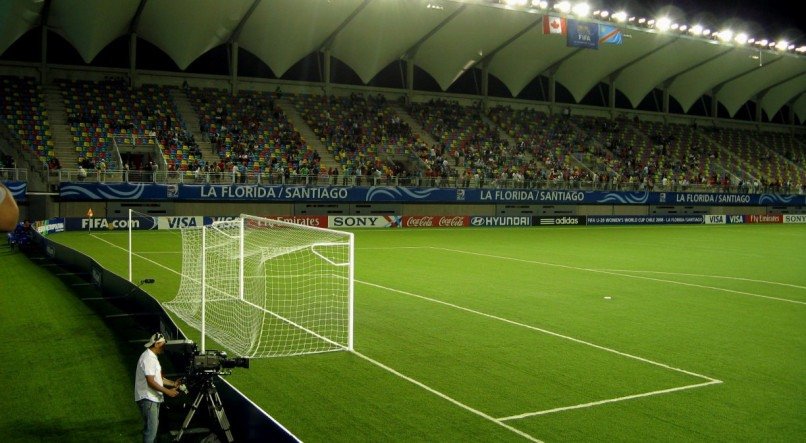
column 609, row 400
column 497, row 421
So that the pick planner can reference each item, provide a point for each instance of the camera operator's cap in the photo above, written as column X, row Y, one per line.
column 156, row 338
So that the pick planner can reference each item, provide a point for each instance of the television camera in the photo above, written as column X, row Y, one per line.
column 201, row 368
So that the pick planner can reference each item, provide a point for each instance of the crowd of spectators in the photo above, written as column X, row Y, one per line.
column 362, row 133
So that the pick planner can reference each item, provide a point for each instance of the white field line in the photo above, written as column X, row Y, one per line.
column 609, row 400
column 446, row 397
column 545, row 331
column 724, row 277
column 602, row 271
column 386, row 368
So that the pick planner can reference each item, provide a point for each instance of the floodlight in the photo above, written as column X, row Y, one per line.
column 662, row 23
column 751, row 41
column 631, row 19
column 621, row 16
column 650, row 22
column 741, row 38
column 771, row 44
column 542, row 4
column 515, row 2
column 801, row 49
column 642, row 20
column 675, row 26
column 706, row 32
column 696, row 30
column 581, row 9
column 604, row 14
column 683, row 28
column 563, row 7
column 725, row 35
column 781, row 45
column 762, row 42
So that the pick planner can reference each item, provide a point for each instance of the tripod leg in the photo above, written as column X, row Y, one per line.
column 192, row 411
column 218, row 407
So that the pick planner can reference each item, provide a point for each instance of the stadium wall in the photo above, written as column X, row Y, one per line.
column 118, row 209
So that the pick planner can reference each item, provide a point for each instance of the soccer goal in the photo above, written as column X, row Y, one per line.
column 267, row 288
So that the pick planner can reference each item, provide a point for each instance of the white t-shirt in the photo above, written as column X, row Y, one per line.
column 147, row 365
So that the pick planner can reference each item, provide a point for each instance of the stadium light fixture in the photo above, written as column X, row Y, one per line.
column 683, row 28
column 706, row 32
column 631, row 19
column 564, row 7
column 781, row 45
column 515, row 2
column 621, row 16
column 762, row 42
column 674, row 26
column 542, row 4
column 581, row 9
column 801, row 49
column 741, row 38
column 695, row 30
column 791, row 46
column 725, row 35
column 605, row 14
column 642, row 20
column 650, row 22
column 771, row 44
column 662, row 24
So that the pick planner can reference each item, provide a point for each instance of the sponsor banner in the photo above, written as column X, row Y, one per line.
column 343, row 194
column 794, row 218
column 365, row 221
column 108, row 223
column 715, row 219
column 318, row 221
column 501, row 221
column 179, row 222
column 18, row 190
column 734, row 219
column 576, row 220
column 767, row 218
column 436, row 221
column 49, row 226
column 645, row 219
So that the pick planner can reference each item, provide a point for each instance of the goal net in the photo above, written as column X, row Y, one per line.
column 267, row 288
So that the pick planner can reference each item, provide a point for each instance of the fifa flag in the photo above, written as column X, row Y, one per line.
column 583, row 34
column 553, row 25
column 609, row 34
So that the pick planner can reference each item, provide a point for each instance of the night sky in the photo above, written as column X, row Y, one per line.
column 770, row 19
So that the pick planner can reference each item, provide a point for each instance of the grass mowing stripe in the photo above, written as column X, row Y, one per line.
column 545, row 331
column 601, row 271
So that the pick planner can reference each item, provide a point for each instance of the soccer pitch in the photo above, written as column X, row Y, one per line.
column 542, row 334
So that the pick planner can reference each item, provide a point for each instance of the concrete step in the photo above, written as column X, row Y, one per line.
column 299, row 123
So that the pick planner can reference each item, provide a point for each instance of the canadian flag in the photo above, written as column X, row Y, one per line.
column 553, row 25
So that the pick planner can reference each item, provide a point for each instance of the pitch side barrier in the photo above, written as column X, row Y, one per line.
column 252, row 423
column 100, row 224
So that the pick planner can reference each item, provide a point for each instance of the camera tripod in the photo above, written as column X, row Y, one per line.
column 208, row 391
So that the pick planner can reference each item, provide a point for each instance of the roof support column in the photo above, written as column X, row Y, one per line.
column 552, row 91
column 409, row 79
column 611, row 96
column 714, row 107
column 133, row 59
column 666, row 99
column 326, row 73
column 758, row 108
column 790, row 118
column 233, row 67
column 485, row 85
column 43, row 67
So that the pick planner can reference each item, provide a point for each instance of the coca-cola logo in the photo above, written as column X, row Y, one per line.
column 453, row 221
column 420, row 222
column 432, row 221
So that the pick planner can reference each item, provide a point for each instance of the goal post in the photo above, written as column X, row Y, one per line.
column 267, row 288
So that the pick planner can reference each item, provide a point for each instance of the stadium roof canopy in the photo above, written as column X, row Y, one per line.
column 444, row 41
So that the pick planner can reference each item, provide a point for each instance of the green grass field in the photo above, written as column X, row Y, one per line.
column 561, row 334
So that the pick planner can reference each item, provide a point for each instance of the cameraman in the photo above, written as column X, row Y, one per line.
column 150, row 386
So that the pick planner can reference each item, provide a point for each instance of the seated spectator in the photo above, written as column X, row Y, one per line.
column 21, row 236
